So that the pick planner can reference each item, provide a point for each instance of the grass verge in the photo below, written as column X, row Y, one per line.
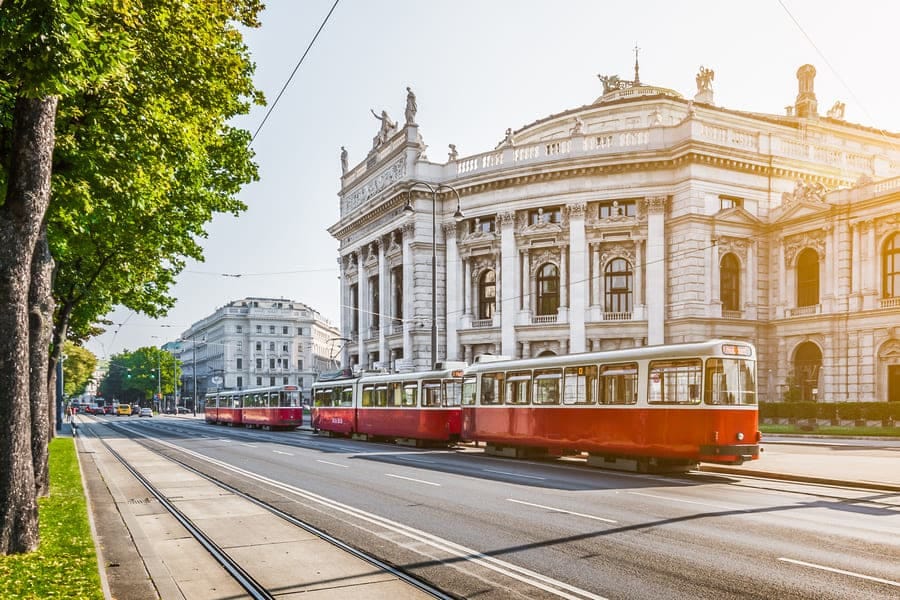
column 65, row 564
column 832, row 430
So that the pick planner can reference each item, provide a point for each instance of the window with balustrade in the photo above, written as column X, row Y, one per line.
column 891, row 267
column 618, row 285
column 548, row 289
column 374, row 302
column 354, row 309
column 730, row 282
column 551, row 214
column 808, row 278
column 487, row 294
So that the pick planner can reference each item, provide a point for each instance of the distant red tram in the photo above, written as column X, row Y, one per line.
column 276, row 407
column 416, row 407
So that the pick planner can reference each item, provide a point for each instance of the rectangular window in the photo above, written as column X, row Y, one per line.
column 518, row 385
column 608, row 209
column 259, row 381
column 239, row 363
column 300, row 382
column 259, row 329
column 239, row 345
column 347, row 396
column 271, row 381
column 492, row 388
column 299, row 364
column 299, row 331
column 482, row 225
column 259, row 363
column 675, row 381
column 368, row 392
column 552, row 214
column 431, row 392
column 618, row 384
column 258, row 346
column 272, row 363
column 238, row 329
column 379, row 395
column 240, row 382
column 285, row 380
column 546, row 386
column 580, row 385
column 726, row 202
column 374, row 302
column 354, row 308
column 284, row 330
column 284, row 347
column 271, row 329
column 452, row 392
column 272, row 346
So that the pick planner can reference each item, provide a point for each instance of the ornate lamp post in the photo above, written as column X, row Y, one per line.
column 458, row 215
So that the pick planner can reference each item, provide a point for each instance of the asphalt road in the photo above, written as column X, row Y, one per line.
column 485, row 527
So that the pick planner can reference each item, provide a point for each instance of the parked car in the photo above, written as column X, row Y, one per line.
column 146, row 412
column 135, row 409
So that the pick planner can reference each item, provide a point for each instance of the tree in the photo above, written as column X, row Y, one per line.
column 136, row 377
column 78, row 368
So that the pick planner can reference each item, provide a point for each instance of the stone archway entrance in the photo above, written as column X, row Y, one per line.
column 806, row 364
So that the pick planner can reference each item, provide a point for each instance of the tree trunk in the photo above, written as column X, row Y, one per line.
column 40, row 301
column 21, row 215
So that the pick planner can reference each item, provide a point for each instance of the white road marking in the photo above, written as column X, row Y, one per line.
column 333, row 464
column 841, row 571
column 411, row 479
column 562, row 510
column 280, row 452
column 249, row 445
column 514, row 474
column 685, row 501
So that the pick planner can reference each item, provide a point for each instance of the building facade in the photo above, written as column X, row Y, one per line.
column 256, row 342
column 640, row 219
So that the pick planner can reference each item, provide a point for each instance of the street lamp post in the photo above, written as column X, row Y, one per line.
column 458, row 216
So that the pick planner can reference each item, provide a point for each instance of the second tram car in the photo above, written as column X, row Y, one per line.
column 652, row 408
column 276, row 407
column 411, row 407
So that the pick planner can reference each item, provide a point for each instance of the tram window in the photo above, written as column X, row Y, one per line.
column 431, row 393
column 367, row 393
column 322, row 397
column 380, row 395
column 410, row 393
column 675, row 381
column 468, row 391
column 395, row 394
column 518, row 383
column 580, row 385
column 274, row 399
column 452, row 392
column 546, row 386
column 729, row 381
column 618, row 384
column 291, row 398
column 346, row 396
column 492, row 388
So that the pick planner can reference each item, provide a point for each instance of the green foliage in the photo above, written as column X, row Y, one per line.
column 136, row 376
column 871, row 411
column 144, row 160
column 65, row 565
column 78, row 368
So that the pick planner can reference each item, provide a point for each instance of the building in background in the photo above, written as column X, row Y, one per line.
column 255, row 342
column 641, row 218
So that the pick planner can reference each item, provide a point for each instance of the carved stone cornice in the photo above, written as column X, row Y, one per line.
column 506, row 218
column 737, row 246
column 656, row 204
column 541, row 256
column 393, row 172
column 576, row 210
column 886, row 224
column 449, row 230
column 610, row 251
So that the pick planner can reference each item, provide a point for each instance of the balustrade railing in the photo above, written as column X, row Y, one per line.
column 802, row 311
column 617, row 316
column 482, row 323
column 889, row 302
column 538, row 319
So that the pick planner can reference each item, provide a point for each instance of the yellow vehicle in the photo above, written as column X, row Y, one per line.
column 123, row 410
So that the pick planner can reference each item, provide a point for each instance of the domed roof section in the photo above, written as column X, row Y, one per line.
column 630, row 90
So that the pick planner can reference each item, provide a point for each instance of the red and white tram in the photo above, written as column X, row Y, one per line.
column 276, row 407
column 415, row 407
column 651, row 408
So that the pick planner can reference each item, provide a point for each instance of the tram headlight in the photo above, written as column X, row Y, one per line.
column 740, row 436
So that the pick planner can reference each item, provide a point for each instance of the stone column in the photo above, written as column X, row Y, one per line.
column 506, row 293
column 595, row 274
column 454, row 295
column 527, row 283
column 384, row 300
column 564, row 277
column 346, row 313
column 855, row 277
column 364, row 316
column 714, row 280
column 749, row 290
column 827, row 270
column 638, row 312
column 409, row 267
column 780, row 296
column 580, row 271
column 656, row 269
column 526, row 349
column 467, row 287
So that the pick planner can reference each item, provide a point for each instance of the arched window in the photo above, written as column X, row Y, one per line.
column 617, row 279
column 548, row 290
column 730, row 282
column 891, row 267
column 808, row 278
column 487, row 295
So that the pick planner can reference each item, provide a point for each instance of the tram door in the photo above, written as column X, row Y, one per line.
column 893, row 383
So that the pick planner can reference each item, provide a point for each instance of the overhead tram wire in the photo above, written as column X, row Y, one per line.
column 294, row 72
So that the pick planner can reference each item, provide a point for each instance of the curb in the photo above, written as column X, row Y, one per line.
column 867, row 485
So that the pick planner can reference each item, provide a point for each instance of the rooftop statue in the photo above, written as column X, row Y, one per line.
column 343, row 160
column 411, row 106
column 387, row 128
column 611, row 83
column 704, row 79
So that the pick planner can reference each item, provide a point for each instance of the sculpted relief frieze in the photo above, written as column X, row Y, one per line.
column 393, row 173
column 611, row 251
column 737, row 246
column 794, row 244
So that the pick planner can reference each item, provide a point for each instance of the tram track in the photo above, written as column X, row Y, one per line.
column 240, row 574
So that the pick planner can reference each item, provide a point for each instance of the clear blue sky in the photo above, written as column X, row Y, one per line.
column 478, row 67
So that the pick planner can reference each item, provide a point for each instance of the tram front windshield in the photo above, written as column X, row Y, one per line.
column 730, row 381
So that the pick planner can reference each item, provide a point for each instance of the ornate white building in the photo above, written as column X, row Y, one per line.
column 642, row 218
column 256, row 342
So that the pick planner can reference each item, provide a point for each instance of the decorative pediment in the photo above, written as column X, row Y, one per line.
column 737, row 215
column 540, row 257
column 394, row 244
column 610, row 251
column 798, row 210
column 733, row 245
column 794, row 244
column 890, row 350
column 483, row 263
column 887, row 225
